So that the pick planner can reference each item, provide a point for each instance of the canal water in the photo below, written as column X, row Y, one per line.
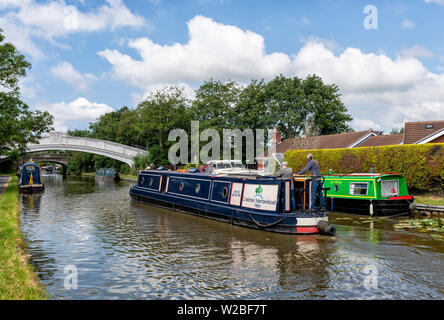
column 88, row 240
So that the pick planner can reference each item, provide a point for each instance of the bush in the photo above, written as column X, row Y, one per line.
column 421, row 165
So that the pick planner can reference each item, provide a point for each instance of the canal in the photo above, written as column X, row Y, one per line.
column 88, row 240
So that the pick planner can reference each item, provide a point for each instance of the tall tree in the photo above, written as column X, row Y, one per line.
column 324, row 106
column 18, row 124
column 162, row 111
column 293, row 101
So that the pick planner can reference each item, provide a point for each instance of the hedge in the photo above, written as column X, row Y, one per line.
column 422, row 165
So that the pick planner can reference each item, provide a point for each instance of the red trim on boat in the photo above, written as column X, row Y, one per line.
column 307, row 230
column 402, row 198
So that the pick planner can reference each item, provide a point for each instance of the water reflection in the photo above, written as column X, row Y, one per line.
column 127, row 250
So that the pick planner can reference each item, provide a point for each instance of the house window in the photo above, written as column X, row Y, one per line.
column 358, row 188
column 429, row 126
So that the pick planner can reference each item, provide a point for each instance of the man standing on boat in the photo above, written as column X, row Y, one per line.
column 316, row 182
column 287, row 173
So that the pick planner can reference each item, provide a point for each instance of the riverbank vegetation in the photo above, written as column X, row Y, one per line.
column 17, row 278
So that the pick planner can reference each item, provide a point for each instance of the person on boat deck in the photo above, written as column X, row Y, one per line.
column 287, row 173
column 316, row 184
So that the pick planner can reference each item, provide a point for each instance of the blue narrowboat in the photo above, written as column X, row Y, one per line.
column 259, row 202
column 30, row 179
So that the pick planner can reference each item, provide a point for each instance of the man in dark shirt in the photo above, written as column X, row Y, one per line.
column 316, row 184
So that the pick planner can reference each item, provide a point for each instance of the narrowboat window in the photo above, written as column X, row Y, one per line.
column 389, row 188
column 224, row 192
column 142, row 181
column 336, row 188
column 30, row 168
column 358, row 188
column 181, row 186
column 197, row 189
column 151, row 182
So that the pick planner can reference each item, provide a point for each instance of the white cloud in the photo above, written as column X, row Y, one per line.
column 80, row 109
column 416, row 51
column 407, row 24
column 66, row 72
column 441, row 2
column 376, row 88
column 26, row 20
column 305, row 20
column 214, row 50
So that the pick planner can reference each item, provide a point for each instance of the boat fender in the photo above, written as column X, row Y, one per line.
column 371, row 209
column 412, row 206
column 326, row 228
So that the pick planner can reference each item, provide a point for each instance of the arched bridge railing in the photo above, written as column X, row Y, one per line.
column 62, row 141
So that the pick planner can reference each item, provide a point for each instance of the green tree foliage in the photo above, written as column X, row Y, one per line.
column 161, row 112
column 18, row 125
column 397, row 131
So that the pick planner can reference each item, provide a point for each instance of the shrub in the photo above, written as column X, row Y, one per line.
column 421, row 165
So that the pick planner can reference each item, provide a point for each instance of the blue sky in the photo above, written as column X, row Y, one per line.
column 89, row 57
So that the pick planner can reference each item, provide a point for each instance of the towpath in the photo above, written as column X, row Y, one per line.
column 4, row 180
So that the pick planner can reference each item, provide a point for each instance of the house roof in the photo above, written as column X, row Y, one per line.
column 414, row 132
column 383, row 140
column 331, row 141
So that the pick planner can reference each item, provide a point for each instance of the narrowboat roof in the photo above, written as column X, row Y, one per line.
column 233, row 175
column 30, row 164
column 374, row 175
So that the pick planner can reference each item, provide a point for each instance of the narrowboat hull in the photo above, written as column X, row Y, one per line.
column 363, row 206
column 211, row 204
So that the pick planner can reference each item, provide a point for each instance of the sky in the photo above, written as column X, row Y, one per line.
column 92, row 57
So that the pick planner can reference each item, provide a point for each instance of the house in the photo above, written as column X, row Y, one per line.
column 383, row 140
column 424, row 132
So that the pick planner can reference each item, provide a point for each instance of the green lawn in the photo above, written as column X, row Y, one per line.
column 18, row 280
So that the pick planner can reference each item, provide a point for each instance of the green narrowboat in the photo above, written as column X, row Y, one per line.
column 374, row 194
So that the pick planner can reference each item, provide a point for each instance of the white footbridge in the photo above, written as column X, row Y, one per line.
column 62, row 141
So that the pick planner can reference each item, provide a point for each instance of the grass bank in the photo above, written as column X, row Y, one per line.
column 18, row 280
column 431, row 199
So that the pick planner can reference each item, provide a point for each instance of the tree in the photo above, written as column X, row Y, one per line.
column 162, row 111
column 215, row 103
column 325, row 107
column 293, row 101
column 397, row 131
column 287, row 104
column 18, row 125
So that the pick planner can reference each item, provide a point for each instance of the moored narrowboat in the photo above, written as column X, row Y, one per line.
column 258, row 202
column 30, row 179
column 374, row 194
column 107, row 174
